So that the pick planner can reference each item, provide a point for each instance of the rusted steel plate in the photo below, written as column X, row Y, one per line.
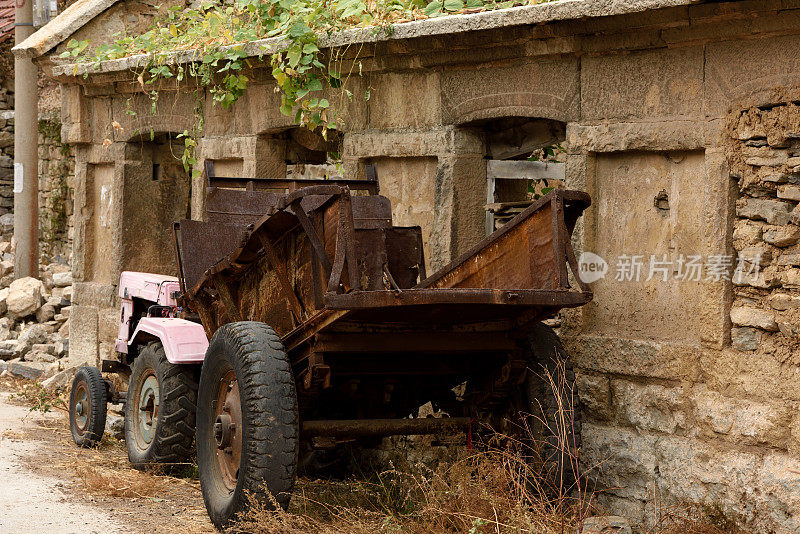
column 203, row 245
column 238, row 207
column 527, row 252
column 497, row 297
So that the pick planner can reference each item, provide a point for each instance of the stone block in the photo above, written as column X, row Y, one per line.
column 766, row 161
column 749, row 316
column 778, row 485
column 25, row 296
column 741, row 421
column 83, row 333
column 789, row 191
column 791, row 278
column 63, row 279
column 745, row 339
column 45, row 313
column 783, row 236
column 658, row 83
column 784, row 301
column 756, row 254
column 594, row 391
column 747, row 231
column 474, row 94
column 33, row 334
column 649, row 407
column 775, row 177
column 606, row 524
column 405, row 100
column 789, row 259
column 692, row 471
column 654, row 359
column 625, row 460
column 773, row 211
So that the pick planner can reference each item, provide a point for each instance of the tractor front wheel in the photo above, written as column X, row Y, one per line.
column 160, row 410
column 87, row 407
column 247, row 422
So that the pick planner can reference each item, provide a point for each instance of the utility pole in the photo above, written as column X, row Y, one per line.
column 26, row 147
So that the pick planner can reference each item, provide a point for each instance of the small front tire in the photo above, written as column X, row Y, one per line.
column 88, row 402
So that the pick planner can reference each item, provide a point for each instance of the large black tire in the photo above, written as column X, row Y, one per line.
column 249, row 359
column 554, row 407
column 87, row 407
column 164, row 433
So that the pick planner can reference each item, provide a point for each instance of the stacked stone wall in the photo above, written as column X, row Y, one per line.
column 56, row 168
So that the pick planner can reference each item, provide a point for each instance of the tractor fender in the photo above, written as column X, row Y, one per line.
column 183, row 341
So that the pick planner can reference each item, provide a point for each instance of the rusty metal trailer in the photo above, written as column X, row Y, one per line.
column 325, row 327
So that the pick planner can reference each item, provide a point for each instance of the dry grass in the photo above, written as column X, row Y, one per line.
column 502, row 486
column 495, row 488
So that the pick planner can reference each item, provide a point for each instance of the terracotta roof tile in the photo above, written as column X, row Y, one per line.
column 6, row 20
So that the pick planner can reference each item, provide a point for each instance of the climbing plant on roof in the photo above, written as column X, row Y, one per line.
column 312, row 85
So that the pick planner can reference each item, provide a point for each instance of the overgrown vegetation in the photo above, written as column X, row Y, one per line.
column 313, row 85
column 55, row 223
column 41, row 399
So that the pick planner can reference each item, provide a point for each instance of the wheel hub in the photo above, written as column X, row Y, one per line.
column 148, row 409
column 81, row 408
column 223, row 428
column 227, row 429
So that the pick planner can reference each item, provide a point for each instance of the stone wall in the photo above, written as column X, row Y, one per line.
column 56, row 183
column 56, row 165
column 681, row 407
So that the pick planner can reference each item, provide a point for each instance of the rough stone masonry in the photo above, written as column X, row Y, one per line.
column 677, row 116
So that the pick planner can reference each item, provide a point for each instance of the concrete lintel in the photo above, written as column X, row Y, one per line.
column 622, row 136
column 439, row 142
column 60, row 28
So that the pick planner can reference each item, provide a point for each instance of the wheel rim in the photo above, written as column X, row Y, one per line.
column 82, row 408
column 228, row 430
column 147, row 405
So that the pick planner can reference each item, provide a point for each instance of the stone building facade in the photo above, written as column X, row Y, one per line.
column 678, row 117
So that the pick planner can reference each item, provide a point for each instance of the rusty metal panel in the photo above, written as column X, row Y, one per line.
column 521, row 258
column 530, row 251
column 203, row 244
column 238, row 207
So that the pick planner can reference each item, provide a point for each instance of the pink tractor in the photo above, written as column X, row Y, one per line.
column 163, row 354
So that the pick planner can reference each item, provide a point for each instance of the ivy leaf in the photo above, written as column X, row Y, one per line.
column 314, row 84
column 298, row 30
column 453, row 5
column 433, row 7
column 310, row 48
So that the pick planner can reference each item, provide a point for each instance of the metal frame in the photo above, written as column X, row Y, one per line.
column 432, row 328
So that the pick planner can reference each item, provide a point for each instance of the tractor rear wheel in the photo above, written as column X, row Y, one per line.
column 160, row 410
column 553, row 406
column 247, row 422
column 87, row 407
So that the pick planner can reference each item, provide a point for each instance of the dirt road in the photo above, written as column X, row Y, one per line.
column 33, row 503
column 49, row 485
